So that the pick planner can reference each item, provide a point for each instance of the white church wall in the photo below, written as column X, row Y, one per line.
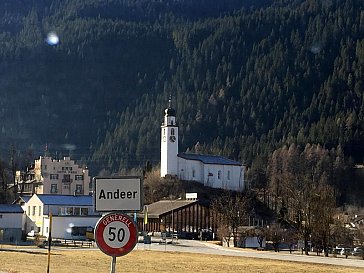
column 224, row 176
column 190, row 170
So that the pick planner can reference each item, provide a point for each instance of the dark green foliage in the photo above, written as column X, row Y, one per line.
column 244, row 81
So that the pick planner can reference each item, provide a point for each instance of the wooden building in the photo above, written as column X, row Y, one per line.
column 185, row 217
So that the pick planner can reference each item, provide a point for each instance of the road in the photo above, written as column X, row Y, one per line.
column 208, row 248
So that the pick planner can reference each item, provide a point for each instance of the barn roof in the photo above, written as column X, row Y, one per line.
column 209, row 159
column 155, row 210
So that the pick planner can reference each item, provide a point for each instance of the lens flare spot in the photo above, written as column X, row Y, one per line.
column 52, row 38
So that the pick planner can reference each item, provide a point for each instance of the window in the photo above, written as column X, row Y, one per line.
column 66, row 178
column 53, row 188
column 193, row 173
column 78, row 188
column 40, row 211
column 78, row 177
column 69, row 211
column 1, row 216
column 66, row 186
column 53, row 176
column 228, row 175
column 29, row 210
column 172, row 131
column 76, row 211
column 84, row 211
column 34, row 209
column 164, row 132
column 219, row 175
column 66, row 211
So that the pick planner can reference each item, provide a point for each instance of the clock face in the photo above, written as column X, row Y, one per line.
column 172, row 138
column 164, row 138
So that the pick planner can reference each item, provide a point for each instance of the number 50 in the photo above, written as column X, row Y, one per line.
column 116, row 234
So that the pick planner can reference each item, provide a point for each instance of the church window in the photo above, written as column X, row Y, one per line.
column 172, row 131
column 219, row 175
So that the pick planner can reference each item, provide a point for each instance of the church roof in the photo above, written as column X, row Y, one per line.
column 209, row 159
column 170, row 112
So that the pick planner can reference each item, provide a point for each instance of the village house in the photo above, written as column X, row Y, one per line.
column 11, row 222
column 71, row 215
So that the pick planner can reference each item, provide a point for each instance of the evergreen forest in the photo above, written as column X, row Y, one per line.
column 246, row 78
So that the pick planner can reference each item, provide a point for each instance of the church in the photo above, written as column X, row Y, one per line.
column 210, row 170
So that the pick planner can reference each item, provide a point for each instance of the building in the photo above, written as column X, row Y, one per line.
column 187, row 218
column 210, row 170
column 50, row 176
column 71, row 215
column 11, row 222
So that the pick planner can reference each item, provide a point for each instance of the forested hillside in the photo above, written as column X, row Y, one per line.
column 245, row 77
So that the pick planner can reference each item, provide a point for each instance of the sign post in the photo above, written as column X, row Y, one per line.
column 116, row 235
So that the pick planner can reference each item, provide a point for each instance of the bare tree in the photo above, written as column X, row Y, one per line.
column 233, row 211
column 300, row 181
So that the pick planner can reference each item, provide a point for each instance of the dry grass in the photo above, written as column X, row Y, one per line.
column 94, row 261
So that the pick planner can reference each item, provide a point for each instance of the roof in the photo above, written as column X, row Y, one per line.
column 10, row 208
column 25, row 198
column 164, row 206
column 62, row 200
column 209, row 159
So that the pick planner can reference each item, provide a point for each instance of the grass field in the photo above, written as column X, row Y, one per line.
column 94, row 261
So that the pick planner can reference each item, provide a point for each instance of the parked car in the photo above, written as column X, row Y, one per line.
column 345, row 251
column 358, row 251
column 32, row 233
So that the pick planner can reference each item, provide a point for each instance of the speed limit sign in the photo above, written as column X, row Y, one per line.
column 116, row 234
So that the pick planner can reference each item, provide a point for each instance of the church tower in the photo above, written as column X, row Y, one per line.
column 169, row 142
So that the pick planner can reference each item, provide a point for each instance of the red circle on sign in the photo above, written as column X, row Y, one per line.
column 116, row 234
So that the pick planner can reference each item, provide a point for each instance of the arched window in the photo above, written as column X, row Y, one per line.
column 172, row 131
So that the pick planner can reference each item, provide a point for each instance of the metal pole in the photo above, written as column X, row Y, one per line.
column 113, row 264
column 49, row 241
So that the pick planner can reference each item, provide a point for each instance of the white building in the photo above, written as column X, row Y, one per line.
column 11, row 222
column 50, row 176
column 70, row 215
column 210, row 170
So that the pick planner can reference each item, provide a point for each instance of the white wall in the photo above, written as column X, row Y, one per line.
column 34, row 220
column 61, row 225
column 186, row 167
column 234, row 181
column 11, row 220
